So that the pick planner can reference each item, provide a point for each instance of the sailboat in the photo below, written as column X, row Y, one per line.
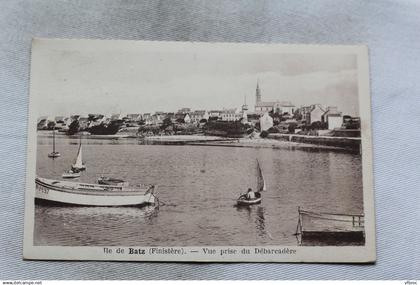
column 78, row 165
column 260, row 186
column 54, row 153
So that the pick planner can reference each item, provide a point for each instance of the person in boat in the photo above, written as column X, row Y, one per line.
column 74, row 170
column 250, row 195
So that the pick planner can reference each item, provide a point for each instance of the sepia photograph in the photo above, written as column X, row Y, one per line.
column 180, row 151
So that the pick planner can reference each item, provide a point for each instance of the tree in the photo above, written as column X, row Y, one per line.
column 51, row 125
column 91, row 117
column 264, row 134
column 291, row 128
column 73, row 128
column 298, row 116
column 317, row 125
column 166, row 123
column 106, row 129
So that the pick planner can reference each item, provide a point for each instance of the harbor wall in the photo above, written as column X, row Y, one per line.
column 342, row 142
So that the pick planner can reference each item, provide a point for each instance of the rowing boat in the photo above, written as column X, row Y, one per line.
column 243, row 199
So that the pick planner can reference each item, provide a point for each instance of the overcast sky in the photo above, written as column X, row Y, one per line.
column 78, row 80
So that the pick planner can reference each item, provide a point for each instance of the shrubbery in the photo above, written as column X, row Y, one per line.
column 73, row 128
column 225, row 128
column 264, row 134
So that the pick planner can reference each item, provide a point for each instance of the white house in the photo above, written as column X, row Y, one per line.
column 115, row 117
column 284, row 107
column 333, row 118
column 266, row 122
column 231, row 114
column 313, row 113
column 184, row 110
column 215, row 113
column 198, row 115
column 187, row 119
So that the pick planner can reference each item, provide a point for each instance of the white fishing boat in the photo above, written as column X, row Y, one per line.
column 71, row 174
column 87, row 194
column 244, row 200
column 78, row 164
column 54, row 153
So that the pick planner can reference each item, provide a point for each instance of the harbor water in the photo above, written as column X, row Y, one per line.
column 197, row 187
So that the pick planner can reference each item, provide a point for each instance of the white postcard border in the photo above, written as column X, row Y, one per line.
column 324, row 254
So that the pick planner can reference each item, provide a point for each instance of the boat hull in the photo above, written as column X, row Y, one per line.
column 45, row 191
column 70, row 176
column 54, row 154
column 80, row 168
column 248, row 202
column 242, row 201
column 328, row 229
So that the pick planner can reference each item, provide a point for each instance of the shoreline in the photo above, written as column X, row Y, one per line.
column 274, row 144
column 284, row 141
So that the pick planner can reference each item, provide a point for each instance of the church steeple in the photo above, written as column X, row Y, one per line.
column 258, row 93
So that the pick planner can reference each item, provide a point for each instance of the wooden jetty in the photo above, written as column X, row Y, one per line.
column 323, row 229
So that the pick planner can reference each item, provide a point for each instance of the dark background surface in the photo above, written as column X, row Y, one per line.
column 391, row 29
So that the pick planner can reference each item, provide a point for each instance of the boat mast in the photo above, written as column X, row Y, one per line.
column 53, row 140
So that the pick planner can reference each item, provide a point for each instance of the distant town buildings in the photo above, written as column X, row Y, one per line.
column 273, row 116
column 184, row 110
column 281, row 107
column 229, row 115
column 199, row 115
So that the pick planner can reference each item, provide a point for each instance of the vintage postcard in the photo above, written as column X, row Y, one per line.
column 206, row 152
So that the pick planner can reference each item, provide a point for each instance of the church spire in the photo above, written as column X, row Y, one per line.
column 258, row 93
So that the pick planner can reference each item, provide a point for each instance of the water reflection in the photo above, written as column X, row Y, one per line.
column 256, row 214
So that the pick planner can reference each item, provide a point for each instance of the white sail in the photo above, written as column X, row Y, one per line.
column 260, row 179
column 79, row 162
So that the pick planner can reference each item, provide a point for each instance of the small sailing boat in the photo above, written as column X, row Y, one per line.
column 244, row 199
column 54, row 153
column 71, row 174
column 78, row 164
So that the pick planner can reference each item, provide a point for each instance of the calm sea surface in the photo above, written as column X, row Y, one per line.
column 198, row 186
